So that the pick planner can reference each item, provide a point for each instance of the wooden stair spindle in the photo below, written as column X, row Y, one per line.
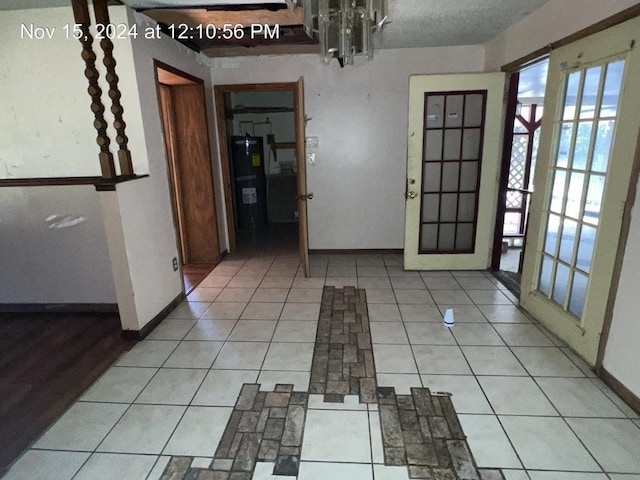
column 124, row 155
column 81, row 14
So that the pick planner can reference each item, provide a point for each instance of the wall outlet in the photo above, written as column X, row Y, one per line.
column 175, row 264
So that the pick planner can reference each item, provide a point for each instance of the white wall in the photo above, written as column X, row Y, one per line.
column 149, row 240
column 359, row 114
column 39, row 264
column 553, row 21
column 46, row 130
column 621, row 354
column 46, row 127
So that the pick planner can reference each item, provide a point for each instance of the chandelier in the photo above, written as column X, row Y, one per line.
column 345, row 28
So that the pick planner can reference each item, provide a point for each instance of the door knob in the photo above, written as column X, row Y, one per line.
column 412, row 194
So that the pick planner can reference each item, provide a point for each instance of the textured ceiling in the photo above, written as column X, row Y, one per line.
column 418, row 23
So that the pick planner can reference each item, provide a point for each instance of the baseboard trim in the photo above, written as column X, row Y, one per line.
column 623, row 392
column 378, row 251
column 58, row 308
column 137, row 335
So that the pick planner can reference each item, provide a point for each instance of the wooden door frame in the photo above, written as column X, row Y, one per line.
column 507, row 142
column 186, row 79
column 221, row 118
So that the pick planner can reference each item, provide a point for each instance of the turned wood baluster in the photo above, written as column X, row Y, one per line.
column 124, row 155
column 81, row 14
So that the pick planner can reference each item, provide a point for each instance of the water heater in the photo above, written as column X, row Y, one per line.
column 247, row 157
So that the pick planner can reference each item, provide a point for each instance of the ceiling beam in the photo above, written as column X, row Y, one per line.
column 214, row 52
column 199, row 16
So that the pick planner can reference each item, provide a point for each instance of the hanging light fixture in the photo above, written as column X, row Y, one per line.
column 345, row 27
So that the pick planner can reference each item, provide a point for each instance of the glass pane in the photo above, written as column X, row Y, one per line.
column 433, row 145
column 602, row 148
column 511, row 223
column 430, row 207
column 612, row 84
column 464, row 238
column 446, row 239
column 473, row 110
column 467, row 207
column 454, row 111
column 544, row 282
column 557, row 195
column 551, row 237
column 431, row 180
column 581, row 149
column 471, row 144
column 568, row 240
column 590, row 92
column 435, row 111
column 469, row 176
column 585, row 250
column 429, row 240
column 594, row 199
column 561, row 284
column 452, row 144
column 564, row 146
column 450, row 176
column 574, row 195
column 518, row 127
column 571, row 96
column 449, row 207
column 578, row 293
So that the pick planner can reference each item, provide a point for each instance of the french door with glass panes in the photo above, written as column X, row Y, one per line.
column 455, row 124
column 586, row 155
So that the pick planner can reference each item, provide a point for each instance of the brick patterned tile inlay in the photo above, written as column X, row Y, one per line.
column 343, row 355
column 420, row 431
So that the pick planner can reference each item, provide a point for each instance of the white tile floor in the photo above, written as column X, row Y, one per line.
column 526, row 402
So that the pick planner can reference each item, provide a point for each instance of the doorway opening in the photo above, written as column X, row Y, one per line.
column 261, row 131
column 522, row 133
column 183, row 114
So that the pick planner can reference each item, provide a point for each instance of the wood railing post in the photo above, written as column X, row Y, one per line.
column 82, row 18
column 124, row 155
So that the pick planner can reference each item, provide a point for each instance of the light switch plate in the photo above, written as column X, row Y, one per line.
column 311, row 158
column 312, row 142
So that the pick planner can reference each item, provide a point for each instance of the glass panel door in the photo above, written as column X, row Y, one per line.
column 454, row 123
column 583, row 177
column 452, row 165
column 584, row 135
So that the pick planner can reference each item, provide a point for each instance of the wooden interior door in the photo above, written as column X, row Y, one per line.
column 192, row 172
column 455, row 135
column 303, row 196
column 582, row 180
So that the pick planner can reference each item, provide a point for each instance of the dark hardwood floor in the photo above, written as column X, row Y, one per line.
column 46, row 362
column 194, row 273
